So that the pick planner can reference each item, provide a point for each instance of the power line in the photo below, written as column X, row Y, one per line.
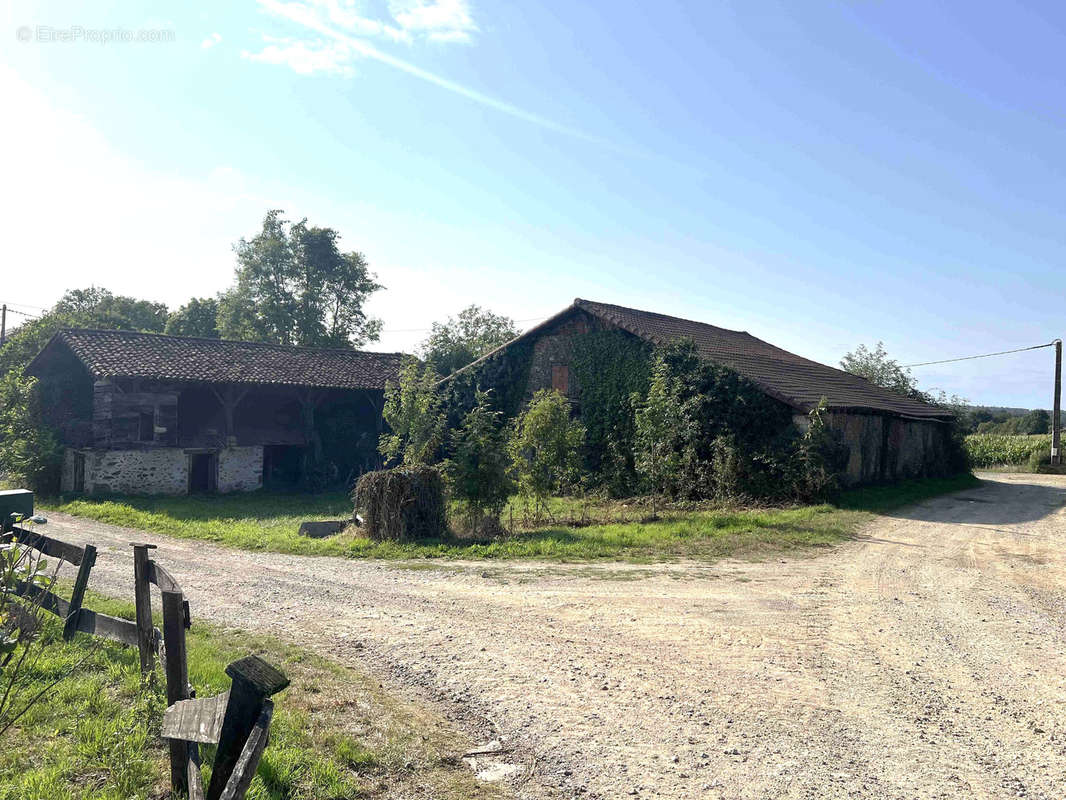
column 983, row 355
column 9, row 303
column 22, row 313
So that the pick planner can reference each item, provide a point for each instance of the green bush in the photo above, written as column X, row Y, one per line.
column 545, row 448
column 413, row 413
column 30, row 455
column 477, row 472
column 704, row 432
column 818, row 460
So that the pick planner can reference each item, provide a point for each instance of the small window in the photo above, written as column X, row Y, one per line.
column 147, row 426
column 561, row 378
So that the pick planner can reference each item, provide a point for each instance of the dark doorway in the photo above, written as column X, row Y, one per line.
column 282, row 465
column 78, row 483
column 203, row 473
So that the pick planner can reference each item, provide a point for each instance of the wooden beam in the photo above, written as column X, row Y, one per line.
column 244, row 771
column 77, row 594
column 254, row 681
column 229, row 399
column 177, row 681
column 142, row 597
column 196, row 720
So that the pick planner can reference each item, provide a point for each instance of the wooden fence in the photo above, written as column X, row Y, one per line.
column 238, row 720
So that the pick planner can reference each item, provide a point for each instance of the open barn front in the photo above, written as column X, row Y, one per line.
column 149, row 414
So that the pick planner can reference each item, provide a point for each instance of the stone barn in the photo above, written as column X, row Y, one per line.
column 142, row 413
column 888, row 435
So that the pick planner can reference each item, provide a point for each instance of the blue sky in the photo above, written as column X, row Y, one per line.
column 819, row 174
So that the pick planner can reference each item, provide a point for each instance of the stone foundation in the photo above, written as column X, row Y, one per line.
column 160, row 470
column 240, row 469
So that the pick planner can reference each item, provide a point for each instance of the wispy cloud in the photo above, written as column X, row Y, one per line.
column 350, row 34
column 211, row 41
column 437, row 20
column 306, row 57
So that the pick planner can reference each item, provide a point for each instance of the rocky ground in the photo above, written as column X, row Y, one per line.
column 927, row 659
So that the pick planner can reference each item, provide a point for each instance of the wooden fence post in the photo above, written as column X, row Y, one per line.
column 77, row 596
column 177, row 680
column 254, row 681
column 142, row 595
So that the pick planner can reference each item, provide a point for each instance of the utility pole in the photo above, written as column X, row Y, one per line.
column 1056, row 459
column 3, row 325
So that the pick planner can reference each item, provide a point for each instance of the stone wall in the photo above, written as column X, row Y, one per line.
column 161, row 470
column 240, row 469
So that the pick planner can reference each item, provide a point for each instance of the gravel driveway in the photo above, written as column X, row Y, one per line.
column 927, row 659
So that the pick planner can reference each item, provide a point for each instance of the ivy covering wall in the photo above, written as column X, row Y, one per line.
column 610, row 367
column 504, row 375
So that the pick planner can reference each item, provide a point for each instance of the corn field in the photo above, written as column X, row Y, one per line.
column 991, row 449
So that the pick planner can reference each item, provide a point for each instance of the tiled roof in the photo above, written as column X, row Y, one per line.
column 792, row 379
column 795, row 380
column 126, row 354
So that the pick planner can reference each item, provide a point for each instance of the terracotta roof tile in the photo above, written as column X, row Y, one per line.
column 790, row 378
column 127, row 354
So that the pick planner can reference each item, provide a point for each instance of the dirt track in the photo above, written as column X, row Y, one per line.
column 926, row 660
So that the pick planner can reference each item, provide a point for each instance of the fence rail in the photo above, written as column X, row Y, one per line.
column 237, row 721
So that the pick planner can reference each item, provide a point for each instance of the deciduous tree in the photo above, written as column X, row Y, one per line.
column 465, row 338
column 295, row 286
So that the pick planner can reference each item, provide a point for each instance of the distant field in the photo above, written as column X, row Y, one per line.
column 580, row 532
column 991, row 449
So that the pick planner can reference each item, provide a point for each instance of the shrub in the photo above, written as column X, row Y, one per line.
column 545, row 447
column 413, row 413
column 666, row 434
column 818, row 460
column 402, row 504
column 30, row 454
column 704, row 431
column 477, row 472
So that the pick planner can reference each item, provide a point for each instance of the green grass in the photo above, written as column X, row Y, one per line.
column 336, row 734
column 618, row 530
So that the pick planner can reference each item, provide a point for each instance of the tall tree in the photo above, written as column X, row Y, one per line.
column 465, row 338
column 413, row 413
column 879, row 369
column 81, row 308
column 198, row 317
column 295, row 286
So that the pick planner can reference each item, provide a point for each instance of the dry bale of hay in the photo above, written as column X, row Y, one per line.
column 402, row 504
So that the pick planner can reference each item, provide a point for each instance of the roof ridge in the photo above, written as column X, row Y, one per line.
column 579, row 301
column 210, row 340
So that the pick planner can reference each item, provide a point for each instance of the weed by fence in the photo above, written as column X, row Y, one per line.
column 238, row 721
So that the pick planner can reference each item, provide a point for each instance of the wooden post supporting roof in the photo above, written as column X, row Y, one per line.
column 229, row 398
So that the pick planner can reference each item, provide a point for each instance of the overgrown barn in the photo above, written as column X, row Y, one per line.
column 888, row 436
column 151, row 414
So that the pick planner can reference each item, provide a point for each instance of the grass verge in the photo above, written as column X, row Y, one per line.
column 336, row 734
column 270, row 522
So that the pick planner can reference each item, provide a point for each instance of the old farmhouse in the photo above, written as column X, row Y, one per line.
column 152, row 414
column 889, row 436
